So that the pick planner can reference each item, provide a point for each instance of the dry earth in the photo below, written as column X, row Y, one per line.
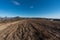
column 5, row 25
column 30, row 30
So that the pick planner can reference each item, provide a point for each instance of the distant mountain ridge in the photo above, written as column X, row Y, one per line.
column 21, row 18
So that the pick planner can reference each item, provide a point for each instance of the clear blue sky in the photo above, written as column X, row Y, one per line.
column 30, row 8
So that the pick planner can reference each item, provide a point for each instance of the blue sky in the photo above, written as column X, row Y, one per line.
column 30, row 8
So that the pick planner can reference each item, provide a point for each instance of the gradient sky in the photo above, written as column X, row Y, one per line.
column 30, row 8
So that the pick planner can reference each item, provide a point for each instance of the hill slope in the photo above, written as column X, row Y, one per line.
column 32, row 30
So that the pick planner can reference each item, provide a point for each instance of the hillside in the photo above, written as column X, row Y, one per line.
column 31, row 29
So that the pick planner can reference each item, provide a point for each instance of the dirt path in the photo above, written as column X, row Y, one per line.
column 3, row 26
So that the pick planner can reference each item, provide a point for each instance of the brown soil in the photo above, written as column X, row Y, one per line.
column 31, row 30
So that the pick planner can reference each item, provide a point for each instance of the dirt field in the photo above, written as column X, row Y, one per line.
column 30, row 30
column 5, row 25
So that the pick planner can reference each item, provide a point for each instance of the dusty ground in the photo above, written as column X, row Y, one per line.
column 30, row 30
column 5, row 25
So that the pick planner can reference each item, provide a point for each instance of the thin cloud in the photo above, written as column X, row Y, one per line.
column 31, row 6
column 16, row 3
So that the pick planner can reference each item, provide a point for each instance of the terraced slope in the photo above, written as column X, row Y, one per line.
column 32, row 30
